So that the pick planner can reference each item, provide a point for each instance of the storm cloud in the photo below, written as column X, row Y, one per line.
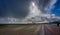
column 14, row 8
column 20, row 8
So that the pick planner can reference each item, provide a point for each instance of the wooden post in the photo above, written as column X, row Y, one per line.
column 58, row 24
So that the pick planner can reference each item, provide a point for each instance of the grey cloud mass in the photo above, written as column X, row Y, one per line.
column 14, row 8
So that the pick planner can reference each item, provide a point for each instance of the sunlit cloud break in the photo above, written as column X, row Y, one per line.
column 36, row 14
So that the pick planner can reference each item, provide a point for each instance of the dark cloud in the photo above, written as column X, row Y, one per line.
column 14, row 8
column 43, row 4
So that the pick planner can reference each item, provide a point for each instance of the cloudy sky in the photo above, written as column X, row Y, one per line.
column 20, row 8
